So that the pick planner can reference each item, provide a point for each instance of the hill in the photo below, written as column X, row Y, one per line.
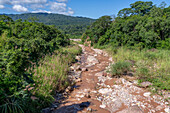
column 68, row 24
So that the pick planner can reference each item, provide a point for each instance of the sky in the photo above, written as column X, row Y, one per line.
column 86, row 8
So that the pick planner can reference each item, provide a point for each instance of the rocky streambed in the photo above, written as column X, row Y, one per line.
column 95, row 91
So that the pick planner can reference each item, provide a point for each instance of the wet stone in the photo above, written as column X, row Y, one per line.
column 84, row 104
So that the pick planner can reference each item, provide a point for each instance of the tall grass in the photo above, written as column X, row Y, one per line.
column 150, row 65
column 51, row 75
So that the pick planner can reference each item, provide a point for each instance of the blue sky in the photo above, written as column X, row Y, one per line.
column 85, row 8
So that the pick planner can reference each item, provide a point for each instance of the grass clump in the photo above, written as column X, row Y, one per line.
column 120, row 68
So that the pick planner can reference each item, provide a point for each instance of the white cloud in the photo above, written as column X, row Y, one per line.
column 41, row 11
column 61, row 0
column 37, row 6
column 14, row 2
column 48, row 6
column 19, row 8
column 58, row 7
column 2, row 6
column 28, row 1
column 70, row 11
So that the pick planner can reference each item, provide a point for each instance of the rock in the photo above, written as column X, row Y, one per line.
column 158, row 108
column 103, row 106
column 84, row 104
column 89, row 109
column 87, row 95
column 92, row 59
column 132, row 109
column 98, row 51
column 147, row 94
column 78, row 68
column 111, row 59
column 46, row 110
column 84, row 69
column 146, row 84
column 78, row 80
column 72, row 68
column 135, row 82
column 99, row 73
column 105, row 90
column 68, row 89
column 95, row 55
column 78, row 58
column 104, row 74
column 167, row 110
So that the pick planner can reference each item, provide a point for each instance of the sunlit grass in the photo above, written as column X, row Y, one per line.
column 150, row 65
column 51, row 75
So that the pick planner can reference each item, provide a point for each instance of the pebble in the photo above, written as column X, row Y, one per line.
column 103, row 106
column 167, row 110
column 105, row 90
column 147, row 94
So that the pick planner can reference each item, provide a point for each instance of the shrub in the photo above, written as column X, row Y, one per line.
column 143, row 73
column 120, row 68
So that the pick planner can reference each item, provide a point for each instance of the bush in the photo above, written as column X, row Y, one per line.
column 22, row 45
column 120, row 68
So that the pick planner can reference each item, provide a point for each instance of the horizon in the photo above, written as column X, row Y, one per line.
column 76, row 8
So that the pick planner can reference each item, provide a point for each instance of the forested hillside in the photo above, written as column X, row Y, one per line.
column 74, row 26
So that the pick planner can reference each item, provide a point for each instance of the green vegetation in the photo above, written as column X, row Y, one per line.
column 29, row 51
column 72, row 26
column 51, row 75
column 120, row 68
column 143, row 25
column 149, row 65
column 140, row 34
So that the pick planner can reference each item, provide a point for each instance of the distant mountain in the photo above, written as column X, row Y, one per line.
column 69, row 24
column 53, row 19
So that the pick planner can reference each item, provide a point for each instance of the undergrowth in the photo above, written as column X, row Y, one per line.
column 149, row 65
column 49, row 76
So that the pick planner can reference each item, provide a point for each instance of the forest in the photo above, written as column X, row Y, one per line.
column 72, row 26
column 142, row 25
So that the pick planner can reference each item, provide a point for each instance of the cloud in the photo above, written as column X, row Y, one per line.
column 41, row 11
column 58, row 7
column 61, row 0
column 2, row 6
column 48, row 6
column 19, row 8
column 28, row 1
column 37, row 6
column 70, row 11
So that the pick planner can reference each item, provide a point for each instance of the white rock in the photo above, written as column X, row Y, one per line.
column 105, row 91
column 111, row 59
column 147, row 94
column 92, row 59
column 95, row 55
column 167, row 110
column 98, row 51
column 103, row 106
